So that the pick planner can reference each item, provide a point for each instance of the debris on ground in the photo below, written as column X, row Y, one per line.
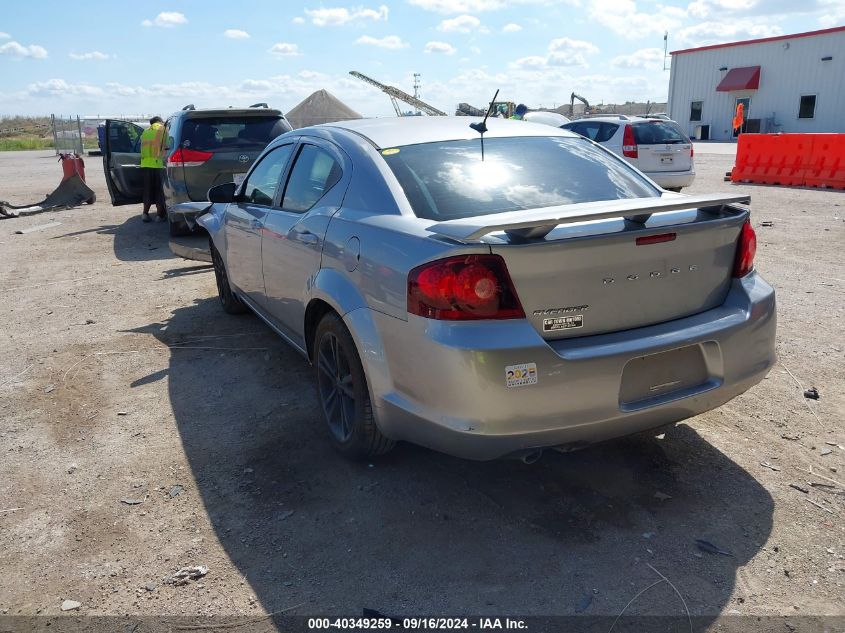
column 767, row 223
column 800, row 488
column 661, row 496
column 187, row 574
column 818, row 505
column 812, row 393
column 49, row 388
column 72, row 469
column 40, row 227
column 286, row 515
column 770, row 466
column 150, row 586
column 175, row 491
column 70, row 605
column 132, row 502
column 707, row 546
column 826, row 451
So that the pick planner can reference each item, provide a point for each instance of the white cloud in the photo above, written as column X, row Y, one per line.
column 19, row 51
column 166, row 19
column 285, row 49
column 440, row 47
column 706, row 33
column 59, row 87
column 4, row 36
column 834, row 14
column 460, row 6
column 341, row 15
column 392, row 42
column 93, row 55
column 460, row 24
column 511, row 28
column 298, row 20
column 236, row 34
column 475, row 50
column 564, row 51
column 642, row 58
column 532, row 61
column 623, row 18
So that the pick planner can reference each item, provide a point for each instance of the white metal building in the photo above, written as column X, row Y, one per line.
column 789, row 83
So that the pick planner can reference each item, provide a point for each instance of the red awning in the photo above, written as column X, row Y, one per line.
column 747, row 78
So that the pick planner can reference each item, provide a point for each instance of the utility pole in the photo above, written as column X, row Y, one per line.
column 665, row 49
column 417, row 88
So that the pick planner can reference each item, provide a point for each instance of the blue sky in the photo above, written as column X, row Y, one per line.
column 107, row 58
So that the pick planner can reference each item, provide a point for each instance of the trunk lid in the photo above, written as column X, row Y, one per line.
column 661, row 147
column 589, row 277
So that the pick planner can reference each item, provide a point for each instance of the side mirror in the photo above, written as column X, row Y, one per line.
column 223, row 193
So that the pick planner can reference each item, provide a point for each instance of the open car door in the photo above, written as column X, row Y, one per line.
column 122, row 162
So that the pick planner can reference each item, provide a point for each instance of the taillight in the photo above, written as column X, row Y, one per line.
column 746, row 248
column 463, row 288
column 188, row 158
column 629, row 145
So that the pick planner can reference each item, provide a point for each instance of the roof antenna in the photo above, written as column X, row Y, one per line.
column 481, row 128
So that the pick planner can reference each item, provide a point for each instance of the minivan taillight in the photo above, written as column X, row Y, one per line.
column 746, row 248
column 183, row 157
column 629, row 144
column 463, row 288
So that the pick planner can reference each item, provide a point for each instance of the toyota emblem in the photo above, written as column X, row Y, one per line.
column 243, row 158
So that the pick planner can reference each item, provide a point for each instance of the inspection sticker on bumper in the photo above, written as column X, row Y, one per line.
column 563, row 323
column 521, row 375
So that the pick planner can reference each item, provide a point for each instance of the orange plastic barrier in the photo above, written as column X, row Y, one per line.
column 72, row 165
column 814, row 160
column 826, row 167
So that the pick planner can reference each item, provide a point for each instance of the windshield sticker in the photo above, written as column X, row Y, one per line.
column 563, row 323
column 521, row 375
column 390, row 152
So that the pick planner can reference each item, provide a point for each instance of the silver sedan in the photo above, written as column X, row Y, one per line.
column 491, row 295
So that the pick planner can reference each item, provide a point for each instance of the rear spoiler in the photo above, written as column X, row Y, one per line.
column 537, row 223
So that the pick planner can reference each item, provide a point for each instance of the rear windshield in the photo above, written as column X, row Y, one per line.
column 245, row 133
column 653, row 132
column 448, row 180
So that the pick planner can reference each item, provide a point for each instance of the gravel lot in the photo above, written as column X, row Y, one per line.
column 120, row 378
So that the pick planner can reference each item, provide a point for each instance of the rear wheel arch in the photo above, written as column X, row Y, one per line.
column 314, row 313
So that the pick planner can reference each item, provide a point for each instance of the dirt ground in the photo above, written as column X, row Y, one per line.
column 121, row 378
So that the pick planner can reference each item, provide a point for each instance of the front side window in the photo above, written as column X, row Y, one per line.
column 695, row 110
column 263, row 182
column 807, row 107
column 448, row 180
column 313, row 174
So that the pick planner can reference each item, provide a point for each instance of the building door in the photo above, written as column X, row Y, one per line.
column 746, row 107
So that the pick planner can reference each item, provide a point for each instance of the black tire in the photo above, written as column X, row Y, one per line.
column 178, row 228
column 343, row 392
column 228, row 299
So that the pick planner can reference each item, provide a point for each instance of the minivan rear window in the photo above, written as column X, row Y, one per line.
column 654, row 132
column 238, row 133
column 447, row 180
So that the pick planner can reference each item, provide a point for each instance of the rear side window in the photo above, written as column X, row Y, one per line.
column 263, row 181
column 237, row 133
column 654, row 132
column 448, row 180
column 313, row 174
column 597, row 131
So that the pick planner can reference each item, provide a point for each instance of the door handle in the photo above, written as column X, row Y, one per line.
column 306, row 237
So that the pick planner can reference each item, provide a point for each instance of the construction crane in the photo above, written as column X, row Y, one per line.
column 397, row 95
column 572, row 99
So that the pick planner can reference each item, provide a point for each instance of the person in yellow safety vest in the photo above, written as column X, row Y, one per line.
column 152, row 164
column 519, row 112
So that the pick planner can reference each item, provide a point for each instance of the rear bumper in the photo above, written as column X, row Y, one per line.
column 672, row 179
column 443, row 385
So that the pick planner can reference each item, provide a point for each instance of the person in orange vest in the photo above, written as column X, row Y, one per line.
column 152, row 164
column 739, row 117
